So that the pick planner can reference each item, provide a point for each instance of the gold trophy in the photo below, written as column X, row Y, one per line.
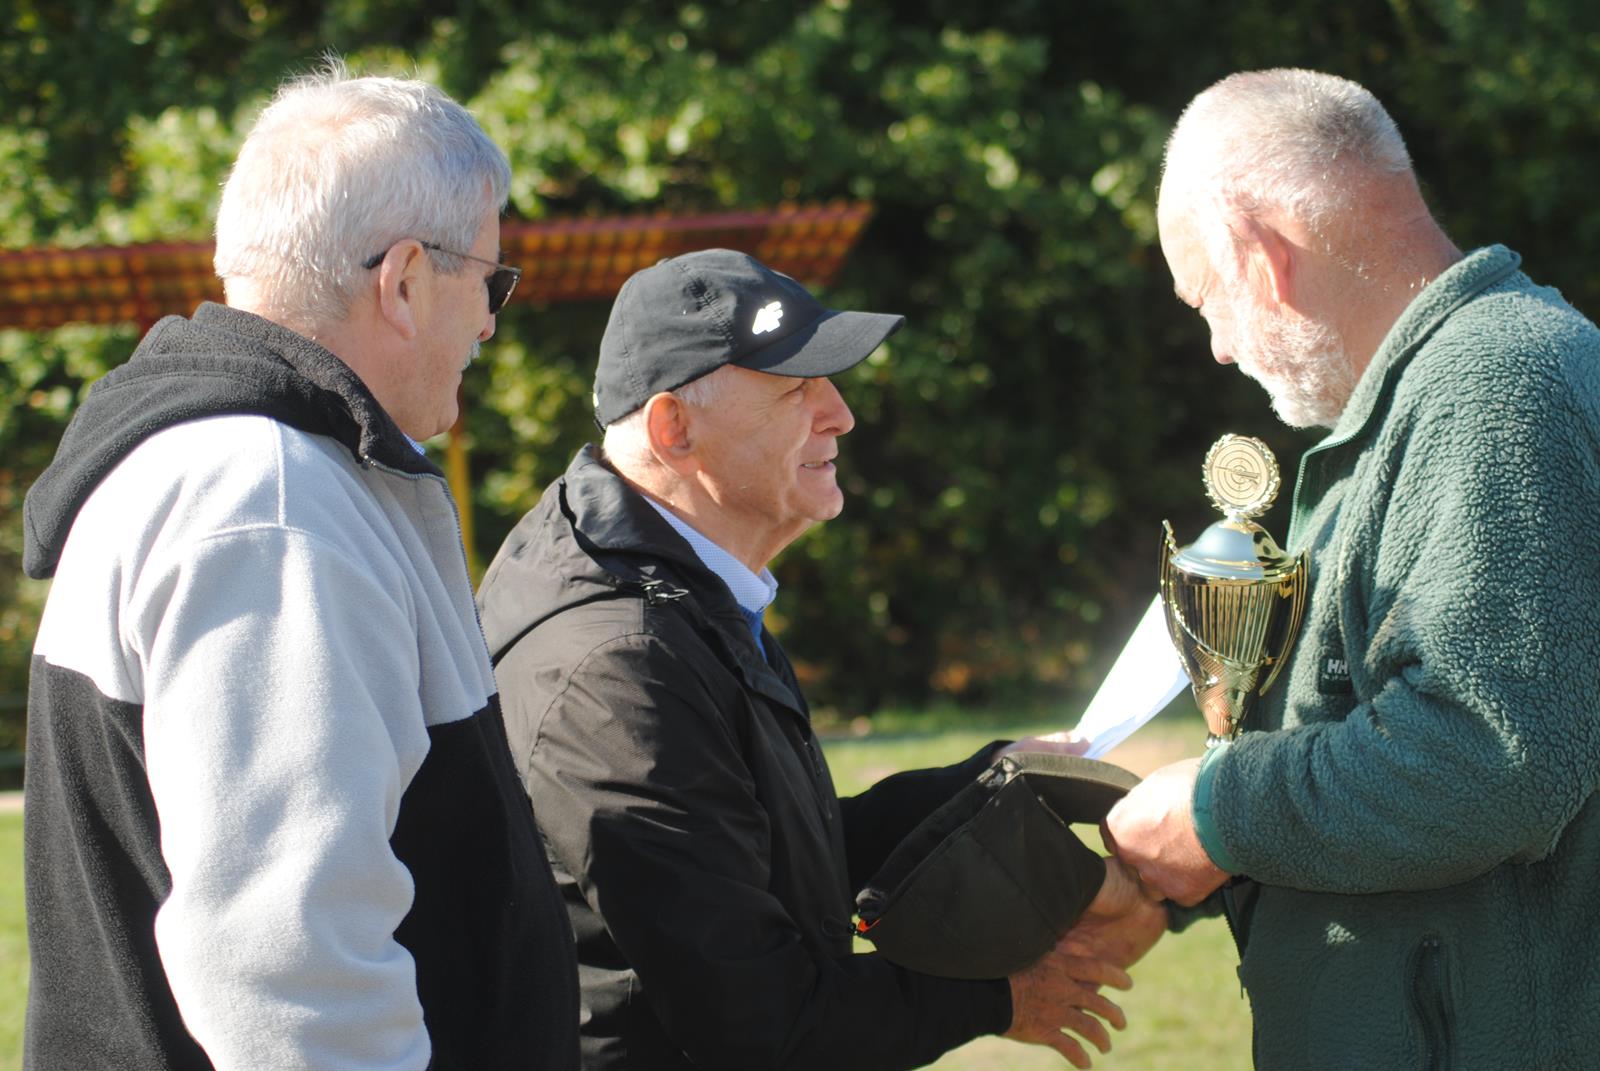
column 1233, row 598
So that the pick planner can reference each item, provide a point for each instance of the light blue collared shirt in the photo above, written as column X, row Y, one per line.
column 753, row 592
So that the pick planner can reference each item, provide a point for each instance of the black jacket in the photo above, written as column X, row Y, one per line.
column 261, row 706
column 706, row 862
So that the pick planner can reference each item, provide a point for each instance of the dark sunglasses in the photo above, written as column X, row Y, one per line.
column 500, row 283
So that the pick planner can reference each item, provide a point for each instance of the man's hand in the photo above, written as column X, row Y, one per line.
column 1122, row 922
column 1152, row 829
column 1057, row 994
column 1060, row 743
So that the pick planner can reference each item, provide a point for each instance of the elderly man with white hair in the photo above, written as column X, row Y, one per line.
column 1410, row 822
column 271, row 819
column 707, row 864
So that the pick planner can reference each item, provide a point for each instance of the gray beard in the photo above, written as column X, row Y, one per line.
column 1308, row 375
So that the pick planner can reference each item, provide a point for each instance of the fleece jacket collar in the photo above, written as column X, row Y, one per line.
column 1457, row 285
column 222, row 361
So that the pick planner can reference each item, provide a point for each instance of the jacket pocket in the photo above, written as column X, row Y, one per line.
column 1428, row 989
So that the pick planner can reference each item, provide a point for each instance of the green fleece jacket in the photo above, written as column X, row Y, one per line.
column 1418, row 811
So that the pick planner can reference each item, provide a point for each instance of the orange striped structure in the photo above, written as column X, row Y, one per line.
column 561, row 260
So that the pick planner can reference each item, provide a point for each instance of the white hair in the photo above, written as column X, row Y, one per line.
column 338, row 169
column 627, row 440
column 1297, row 142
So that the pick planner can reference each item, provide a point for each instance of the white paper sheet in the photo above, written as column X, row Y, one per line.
column 1144, row 679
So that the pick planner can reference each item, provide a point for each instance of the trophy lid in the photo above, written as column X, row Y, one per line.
column 1235, row 549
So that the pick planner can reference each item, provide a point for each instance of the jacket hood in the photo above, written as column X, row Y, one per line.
column 221, row 362
column 590, row 537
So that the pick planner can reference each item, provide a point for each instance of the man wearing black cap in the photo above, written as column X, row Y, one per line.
column 706, row 862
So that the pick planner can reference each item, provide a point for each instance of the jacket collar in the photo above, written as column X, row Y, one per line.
column 624, row 528
column 351, row 412
column 593, row 537
column 1456, row 286
column 616, row 519
column 222, row 361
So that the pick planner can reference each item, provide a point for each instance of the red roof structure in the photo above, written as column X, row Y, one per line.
column 561, row 260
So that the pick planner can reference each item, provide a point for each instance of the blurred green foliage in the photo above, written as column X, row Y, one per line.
column 1049, row 401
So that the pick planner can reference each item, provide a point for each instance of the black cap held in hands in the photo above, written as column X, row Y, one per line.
column 987, row 883
column 687, row 316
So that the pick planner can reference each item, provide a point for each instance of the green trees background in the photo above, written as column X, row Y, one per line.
column 1050, row 400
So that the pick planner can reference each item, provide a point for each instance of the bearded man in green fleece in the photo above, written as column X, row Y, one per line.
column 1414, row 803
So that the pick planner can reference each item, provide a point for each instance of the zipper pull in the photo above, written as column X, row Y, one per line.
column 996, row 776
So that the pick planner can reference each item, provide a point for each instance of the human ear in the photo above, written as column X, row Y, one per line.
column 1269, row 256
column 400, row 279
column 668, row 426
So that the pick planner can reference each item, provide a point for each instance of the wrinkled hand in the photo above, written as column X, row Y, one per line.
column 1057, row 994
column 1122, row 922
column 1061, row 743
column 1152, row 829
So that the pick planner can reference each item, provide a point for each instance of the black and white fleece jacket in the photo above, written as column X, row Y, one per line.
column 271, row 819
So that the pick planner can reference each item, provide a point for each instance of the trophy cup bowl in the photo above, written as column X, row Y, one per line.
column 1233, row 598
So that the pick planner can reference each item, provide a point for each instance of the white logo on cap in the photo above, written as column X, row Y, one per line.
column 767, row 318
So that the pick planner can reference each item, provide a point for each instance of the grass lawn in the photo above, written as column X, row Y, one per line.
column 1185, row 1010
column 13, row 943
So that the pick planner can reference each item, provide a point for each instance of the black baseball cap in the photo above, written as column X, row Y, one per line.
column 687, row 316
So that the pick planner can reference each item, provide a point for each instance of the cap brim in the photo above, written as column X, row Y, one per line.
column 837, row 340
column 1078, row 789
